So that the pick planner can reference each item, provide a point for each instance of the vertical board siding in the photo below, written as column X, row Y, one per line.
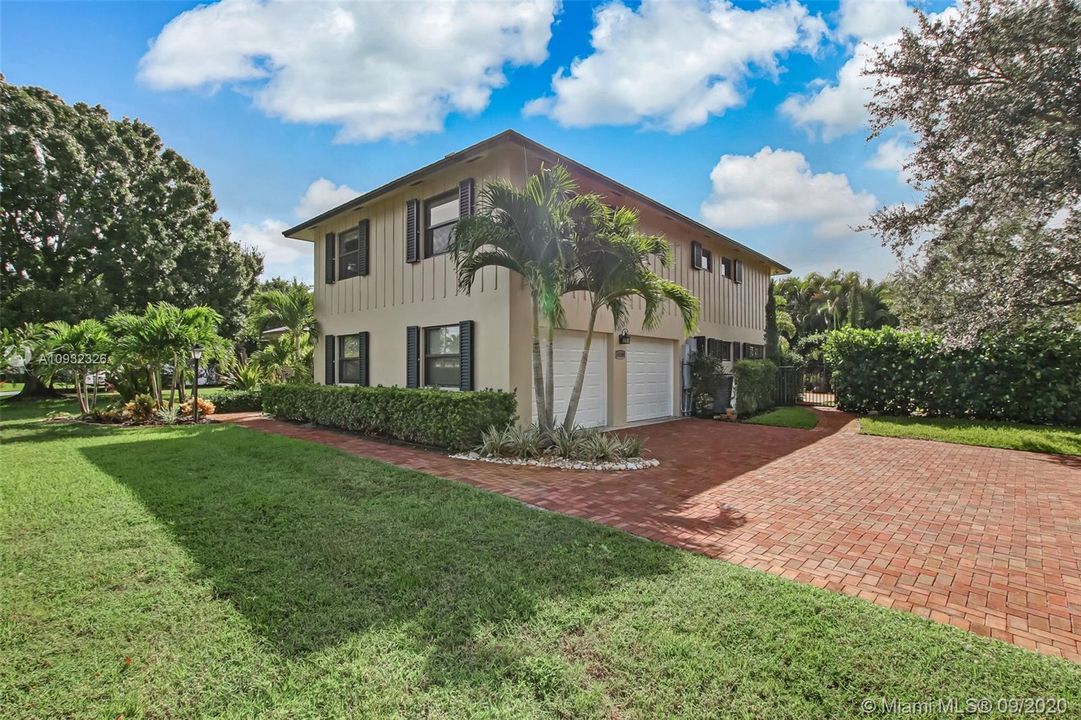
column 392, row 281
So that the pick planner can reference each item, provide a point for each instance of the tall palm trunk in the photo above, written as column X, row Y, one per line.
column 550, row 382
column 543, row 418
column 80, row 393
column 576, row 393
column 155, row 386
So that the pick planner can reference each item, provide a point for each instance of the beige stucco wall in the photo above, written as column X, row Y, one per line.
column 397, row 294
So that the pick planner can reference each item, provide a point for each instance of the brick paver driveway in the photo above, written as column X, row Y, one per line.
column 985, row 539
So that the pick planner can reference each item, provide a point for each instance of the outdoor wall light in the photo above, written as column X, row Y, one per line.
column 624, row 338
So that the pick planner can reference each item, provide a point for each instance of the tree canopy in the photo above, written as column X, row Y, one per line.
column 992, row 92
column 98, row 217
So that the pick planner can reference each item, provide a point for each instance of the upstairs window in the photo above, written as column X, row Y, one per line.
column 726, row 266
column 701, row 259
column 440, row 217
column 442, row 359
column 348, row 254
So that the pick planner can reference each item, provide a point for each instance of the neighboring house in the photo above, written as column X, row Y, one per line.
column 386, row 295
column 273, row 333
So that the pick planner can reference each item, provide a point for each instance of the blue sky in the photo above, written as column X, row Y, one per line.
column 748, row 116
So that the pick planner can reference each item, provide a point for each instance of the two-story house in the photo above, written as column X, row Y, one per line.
column 387, row 298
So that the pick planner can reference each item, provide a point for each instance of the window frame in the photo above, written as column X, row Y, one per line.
column 726, row 267
column 342, row 360
column 427, row 356
column 429, row 203
column 341, row 260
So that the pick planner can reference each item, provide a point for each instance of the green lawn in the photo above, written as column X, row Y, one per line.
column 10, row 387
column 218, row 572
column 990, row 433
column 791, row 416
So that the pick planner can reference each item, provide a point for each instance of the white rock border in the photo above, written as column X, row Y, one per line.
column 563, row 463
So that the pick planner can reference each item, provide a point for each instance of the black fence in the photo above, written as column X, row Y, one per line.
column 804, row 386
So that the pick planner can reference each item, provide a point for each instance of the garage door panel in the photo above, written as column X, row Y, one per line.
column 650, row 379
column 593, row 403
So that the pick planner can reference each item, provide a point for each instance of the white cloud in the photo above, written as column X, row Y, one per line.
column 836, row 108
column 873, row 20
column 840, row 107
column 674, row 64
column 774, row 187
column 376, row 69
column 281, row 256
column 322, row 195
column 891, row 155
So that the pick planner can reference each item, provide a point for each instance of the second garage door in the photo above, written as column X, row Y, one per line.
column 650, row 379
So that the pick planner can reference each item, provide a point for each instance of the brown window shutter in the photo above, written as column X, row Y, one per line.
column 465, row 354
column 412, row 356
column 331, row 242
column 465, row 198
column 738, row 270
column 328, row 369
column 362, row 235
column 696, row 254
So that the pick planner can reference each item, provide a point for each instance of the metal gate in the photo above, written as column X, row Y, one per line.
column 804, row 386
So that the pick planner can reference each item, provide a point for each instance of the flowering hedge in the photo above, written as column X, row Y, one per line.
column 440, row 418
column 1033, row 377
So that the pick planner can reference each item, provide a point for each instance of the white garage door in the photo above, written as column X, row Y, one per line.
column 650, row 379
column 593, row 404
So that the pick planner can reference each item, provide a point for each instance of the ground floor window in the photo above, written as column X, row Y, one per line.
column 442, row 361
column 349, row 359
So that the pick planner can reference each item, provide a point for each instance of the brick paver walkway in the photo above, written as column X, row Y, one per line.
column 988, row 540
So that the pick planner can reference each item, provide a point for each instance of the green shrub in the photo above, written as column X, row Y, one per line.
column 228, row 401
column 1031, row 377
column 584, row 444
column 755, row 382
column 168, row 415
column 439, row 418
column 140, row 408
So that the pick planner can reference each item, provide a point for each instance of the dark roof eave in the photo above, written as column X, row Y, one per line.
column 523, row 141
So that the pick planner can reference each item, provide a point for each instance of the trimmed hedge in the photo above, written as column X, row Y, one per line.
column 238, row 401
column 755, row 382
column 1032, row 377
column 440, row 418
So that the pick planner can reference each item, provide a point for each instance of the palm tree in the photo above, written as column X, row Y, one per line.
column 198, row 326
column 80, row 348
column 274, row 359
column 292, row 308
column 612, row 263
column 527, row 232
column 164, row 335
column 148, row 341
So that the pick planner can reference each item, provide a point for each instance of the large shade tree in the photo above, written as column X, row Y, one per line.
column 98, row 216
column 992, row 93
